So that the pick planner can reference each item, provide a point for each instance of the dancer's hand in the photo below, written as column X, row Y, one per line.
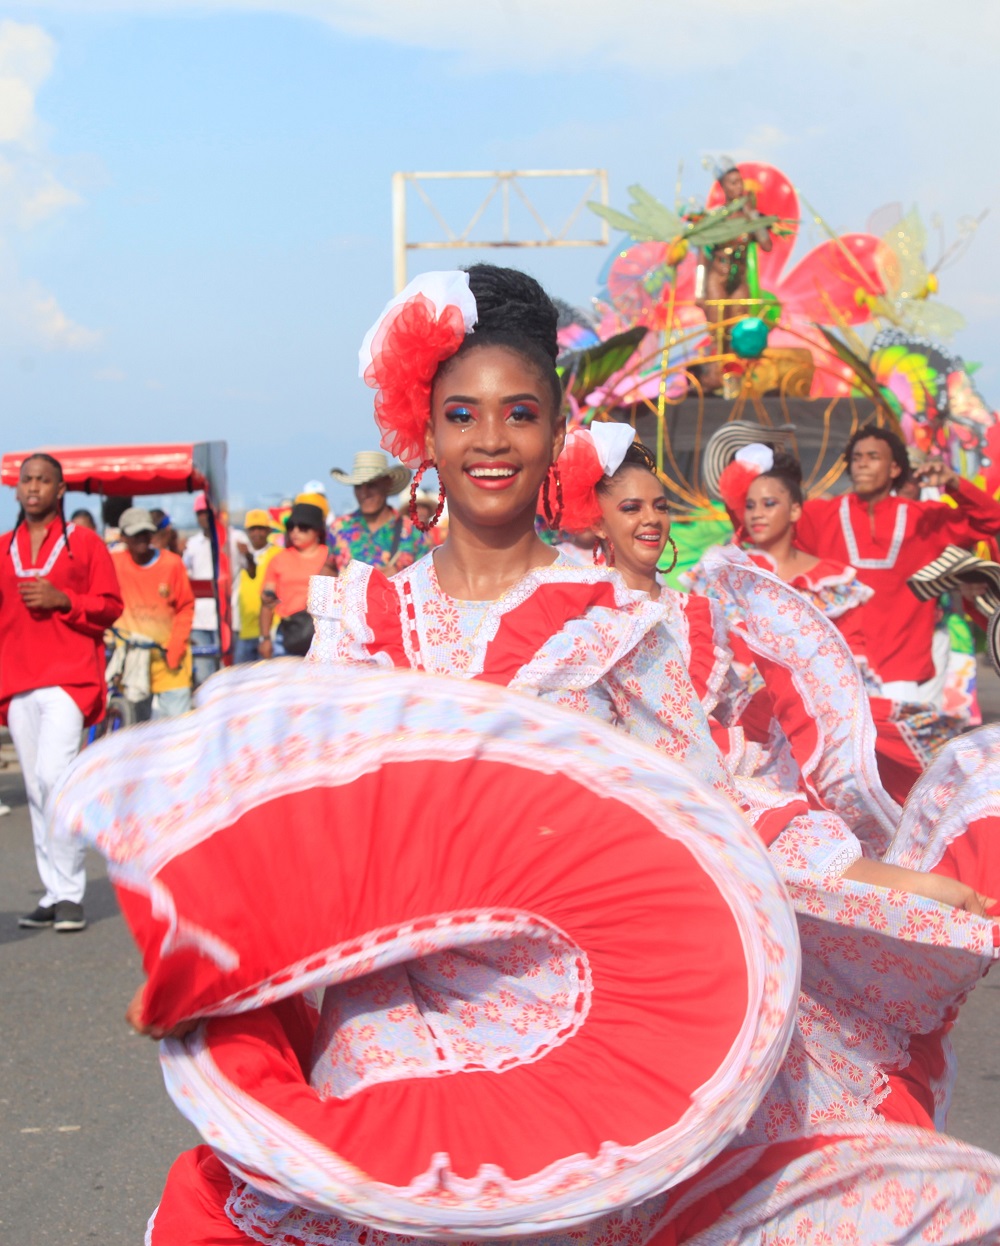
column 134, row 1016
column 951, row 891
column 931, row 886
column 979, row 904
column 937, row 474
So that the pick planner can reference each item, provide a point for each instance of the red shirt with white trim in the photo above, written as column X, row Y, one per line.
column 886, row 544
column 57, row 648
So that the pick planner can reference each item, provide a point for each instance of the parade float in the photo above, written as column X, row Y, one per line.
column 703, row 316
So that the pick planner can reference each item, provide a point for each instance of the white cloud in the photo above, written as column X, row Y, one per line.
column 114, row 375
column 666, row 35
column 31, row 317
column 764, row 142
column 42, row 313
column 30, row 192
column 26, row 56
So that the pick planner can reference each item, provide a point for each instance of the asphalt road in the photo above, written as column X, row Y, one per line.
column 87, row 1132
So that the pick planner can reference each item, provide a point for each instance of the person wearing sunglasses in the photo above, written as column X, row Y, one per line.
column 286, row 582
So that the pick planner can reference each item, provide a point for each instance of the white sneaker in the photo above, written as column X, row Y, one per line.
column 4, row 809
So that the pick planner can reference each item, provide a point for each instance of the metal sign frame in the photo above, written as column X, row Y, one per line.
column 503, row 184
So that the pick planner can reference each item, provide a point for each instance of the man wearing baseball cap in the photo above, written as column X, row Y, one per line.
column 159, row 610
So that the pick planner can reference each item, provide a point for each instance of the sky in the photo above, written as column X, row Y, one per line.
column 195, row 210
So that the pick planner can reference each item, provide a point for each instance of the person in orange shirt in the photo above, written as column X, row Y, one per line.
column 159, row 611
column 286, row 581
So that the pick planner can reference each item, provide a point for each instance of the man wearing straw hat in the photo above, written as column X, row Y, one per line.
column 375, row 533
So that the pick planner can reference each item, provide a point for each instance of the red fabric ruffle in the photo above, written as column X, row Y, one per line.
column 580, row 470
column 734, row 485
column 409, row 347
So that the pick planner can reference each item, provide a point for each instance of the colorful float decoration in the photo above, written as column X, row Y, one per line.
column 703, row 302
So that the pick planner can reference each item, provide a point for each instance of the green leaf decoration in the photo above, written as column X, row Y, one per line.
column 652, row 221
column 583, row 371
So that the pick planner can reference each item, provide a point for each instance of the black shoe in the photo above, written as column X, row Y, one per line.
column 44, row 915
column 69, row 916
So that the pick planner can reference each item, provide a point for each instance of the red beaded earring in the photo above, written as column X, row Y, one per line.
column 414, row 485
column 552, row 518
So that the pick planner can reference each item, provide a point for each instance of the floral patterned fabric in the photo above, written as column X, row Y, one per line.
column 502, row 943
column 881, row 969
column 910, row 730
column 883, row 1186
column 602, row 661
column 832, row 587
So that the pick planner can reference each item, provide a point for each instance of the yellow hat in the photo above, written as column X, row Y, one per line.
column 258, row 518
column 314, row 499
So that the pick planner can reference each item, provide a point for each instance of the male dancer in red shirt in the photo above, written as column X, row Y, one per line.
column 58, row 592
column 886, row 538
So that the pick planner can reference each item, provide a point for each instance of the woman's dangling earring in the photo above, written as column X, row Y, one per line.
column 673, row 562
column 598, row 552
column 611, row 552
column 414, row 485
column 553, row 518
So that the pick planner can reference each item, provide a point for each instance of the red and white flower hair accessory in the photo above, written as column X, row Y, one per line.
column 418, row 329
column 737, row 477
column 588, row 455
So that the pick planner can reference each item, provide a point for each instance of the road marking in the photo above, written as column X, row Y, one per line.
column 59, row 1129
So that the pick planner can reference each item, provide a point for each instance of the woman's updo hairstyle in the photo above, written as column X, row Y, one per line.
column 787, row 470
column 637, row 455
column 514, row 312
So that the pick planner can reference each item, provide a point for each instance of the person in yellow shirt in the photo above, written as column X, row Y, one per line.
column 260, row 530
column 159, row 611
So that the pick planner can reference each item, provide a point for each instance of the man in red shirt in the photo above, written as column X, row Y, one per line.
column 886, row 538
column 58, row 592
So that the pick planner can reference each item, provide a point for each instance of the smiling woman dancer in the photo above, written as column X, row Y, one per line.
column 464, row 370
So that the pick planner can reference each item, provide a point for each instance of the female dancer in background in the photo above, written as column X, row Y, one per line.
column 905, row 1073
column 763, row 492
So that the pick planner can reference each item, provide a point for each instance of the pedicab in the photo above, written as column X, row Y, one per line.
column 138, row 471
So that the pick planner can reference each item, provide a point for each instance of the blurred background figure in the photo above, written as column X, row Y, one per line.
column 376, row 533
column 580, row 547
column 166, row 535
column 153, row 649
column 259, row 551
column 112, row 510
column 285, row 589
column 198, row 564
column 83, row 519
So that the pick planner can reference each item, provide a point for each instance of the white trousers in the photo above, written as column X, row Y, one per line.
column 46, row 726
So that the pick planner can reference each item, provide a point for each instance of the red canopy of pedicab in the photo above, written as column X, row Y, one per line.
column 131, row 471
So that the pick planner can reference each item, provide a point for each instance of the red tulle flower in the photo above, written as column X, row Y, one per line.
column 734, row 484
column 409, row 347
column 579, row 469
